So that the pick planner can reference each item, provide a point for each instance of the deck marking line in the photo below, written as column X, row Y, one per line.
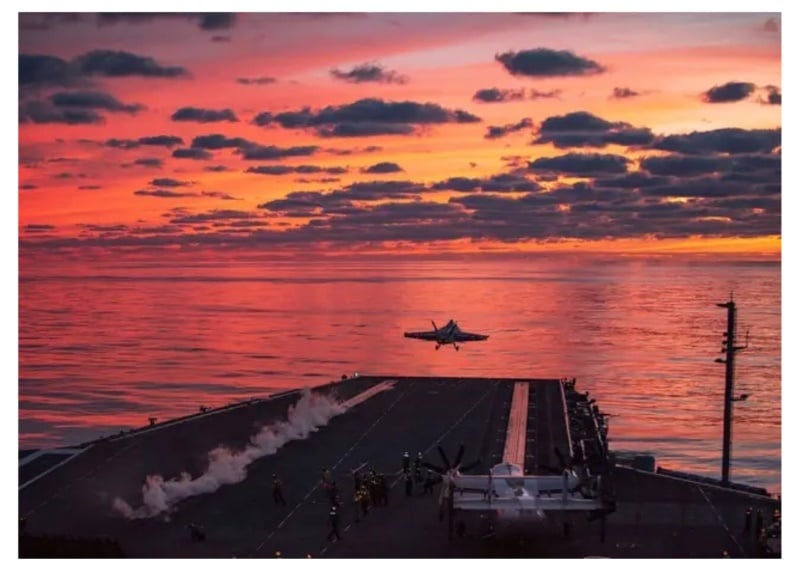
column 350, row 403
column 49, row 470
column 721, row 520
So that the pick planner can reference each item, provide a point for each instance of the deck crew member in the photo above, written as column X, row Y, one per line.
column 364, row 500
column 333, row 493
column 409, row 485
column 357, row 501
column 748, row 517
column 406, row 463
column 418, row 467
column 333, row 519
column 383, row 490
column 277, row 490
column 759, row 523
column 428, row 488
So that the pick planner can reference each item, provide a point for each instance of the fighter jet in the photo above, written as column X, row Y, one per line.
column 450, row 334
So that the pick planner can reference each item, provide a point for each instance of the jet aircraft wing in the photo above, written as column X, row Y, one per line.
column 424, row 335
column 461, row 337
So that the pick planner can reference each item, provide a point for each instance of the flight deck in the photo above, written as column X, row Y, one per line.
column 547, row 424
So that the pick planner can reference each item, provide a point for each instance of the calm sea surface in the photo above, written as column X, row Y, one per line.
column 105, row 346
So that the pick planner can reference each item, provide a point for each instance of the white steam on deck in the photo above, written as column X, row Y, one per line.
column 228, row 467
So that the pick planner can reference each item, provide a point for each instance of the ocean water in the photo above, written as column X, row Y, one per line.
column 104, row 346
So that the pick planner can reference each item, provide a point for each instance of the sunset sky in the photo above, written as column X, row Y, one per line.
column 398, row 133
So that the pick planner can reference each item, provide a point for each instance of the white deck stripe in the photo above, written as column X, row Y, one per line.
column 514, row 451
column 368, row 393
column 49, row 470
column 39, row 453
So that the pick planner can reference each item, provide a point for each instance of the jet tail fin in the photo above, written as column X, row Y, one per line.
column 435, row 328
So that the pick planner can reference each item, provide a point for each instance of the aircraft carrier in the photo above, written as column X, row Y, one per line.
column 67, row 497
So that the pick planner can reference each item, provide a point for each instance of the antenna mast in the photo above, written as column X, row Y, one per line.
column 730, row 348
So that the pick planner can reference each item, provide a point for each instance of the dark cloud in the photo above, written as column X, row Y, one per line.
column 623, row 93
column 43, row 70
column 218, row 141
column 709, row 186
column 164, row 194
column 495, row 132
column 191, row 153
column 279, row 170
column 169, row 183
column 367, row 117
column 369, row 73
column 148, row 161
column 93, row 100
column 534, row 94
column 203, row 115
column 29, row 187
column 310, row 203
column 220, row 38
column 44, row 112
column 369, row 191
column 729, row 92
column 773, row 95
column 303, row 200
column 684, row 165
column 117, row 63
column 269, row 152
column 256, row 80
column 581, row 164
column 90, row 187
column 388, row 213
column 317, row 180
column 122, row 143
column 582, row 129
column 65, row 175
column 215, row 216
column 729, row 140
column 40, row 69
column 354, row 150
column 205, row 21
column 632, row 181
column 545, row 62
column 219, row 195
column 216, row 168
column 507, row 183
column 33, row 228
column 103, row 228
column 383, row 167
column 495, row 95
column 365, row 129
column 45, row 21
column 165, row 229
column 169, row 141
column 217, row 20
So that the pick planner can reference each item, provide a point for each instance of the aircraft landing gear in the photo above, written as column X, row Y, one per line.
column 437, row 346
column 456, row 346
